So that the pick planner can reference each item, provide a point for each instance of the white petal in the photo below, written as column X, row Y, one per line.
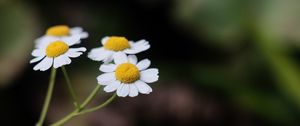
column 84, row 35
column 45, row 64
column 36, row 59
column 81, row 49
column 137, row 47
column 43, row 42
column 144, row 64
column 152, row 71
column 149, row 75
column 79, row 31
column 112, row 86
column 132, row 59
column 39, row 40
column 109, row 58
column 104, row 40
column 150, row 90
column 75, row 52
column 133, row 90
column 106, row 78
column 141, row 43
column 119, row 90
column 123, row 90
column 149, row 78
column 120, row 57
column 38, row 53
column 76, row 30
column 99, row 54
column 143, row 87
column 126, row 90
column 96, row 51
column 74, row 39
column 79, row 41
column 136, row 50
column 107, row 67
column 61, row 60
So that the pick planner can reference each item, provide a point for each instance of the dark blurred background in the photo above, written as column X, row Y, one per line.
column 221, row 62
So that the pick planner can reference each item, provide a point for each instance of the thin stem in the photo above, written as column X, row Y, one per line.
column 100, row 106
column 70, row 87
column 66, row 118
column 48, row 97
column 82, row 106
column 90, row 97
column 79, row 112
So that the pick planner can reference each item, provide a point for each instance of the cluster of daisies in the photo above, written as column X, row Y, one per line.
column 121, row 70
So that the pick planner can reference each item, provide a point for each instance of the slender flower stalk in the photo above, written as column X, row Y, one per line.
column 90, row 97
column 81, row 112
column 70, row 88
column 48, row 97
column 99, row 106
column 82, row 106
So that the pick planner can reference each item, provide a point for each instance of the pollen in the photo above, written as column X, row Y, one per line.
column 116, row 43
column 56, row 49
column 127, row 73
column 58, row 30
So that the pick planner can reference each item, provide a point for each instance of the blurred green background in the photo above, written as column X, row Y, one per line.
column 221, row 62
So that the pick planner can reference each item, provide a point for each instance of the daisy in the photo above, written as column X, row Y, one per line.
column 126, row 76
column 62, row 31
column 56, row 52
column 114, row 44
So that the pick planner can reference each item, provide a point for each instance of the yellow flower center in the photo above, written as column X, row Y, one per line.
column 56, row 48
column 116, row 43
column 127, row 73
column 58, row 30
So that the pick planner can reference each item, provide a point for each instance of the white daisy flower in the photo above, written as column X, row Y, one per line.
column 126, row 76
column 114, row 44
column 56, row 52
column 62, row 31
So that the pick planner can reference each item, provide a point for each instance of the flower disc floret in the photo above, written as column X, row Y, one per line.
column 127, row 73
column 58, row 30
column 116, row 43
column 56, row 49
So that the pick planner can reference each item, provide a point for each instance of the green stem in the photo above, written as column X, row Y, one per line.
column 48, row 97
column 90, row 97
column 70, row 87
column 79, row 112
column 82, row 106
column 66, row 118
column 100, row 106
